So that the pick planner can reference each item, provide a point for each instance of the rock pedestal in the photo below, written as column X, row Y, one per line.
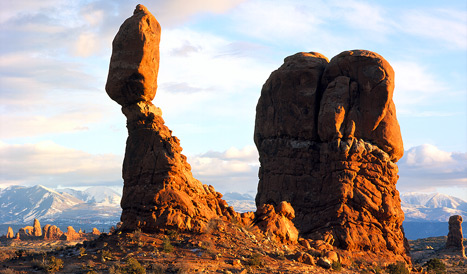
column 159, row 190
column 328, row 140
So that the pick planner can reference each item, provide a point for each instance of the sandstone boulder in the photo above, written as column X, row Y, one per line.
column 134, row 63
column 328, row 141
column 277, row 222
column 159, row 190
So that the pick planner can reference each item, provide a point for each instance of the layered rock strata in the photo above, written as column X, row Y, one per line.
column 328, row 140
column 159, row 190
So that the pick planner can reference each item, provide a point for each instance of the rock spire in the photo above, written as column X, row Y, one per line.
column 455, row 238
column 159, row 190
column 328, row 140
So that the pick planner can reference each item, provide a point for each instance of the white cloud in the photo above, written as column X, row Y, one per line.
column 87, row 44
column 427, row 168
column 447, row 26
column 234, row 170
column 50, row 164
column 415, row 84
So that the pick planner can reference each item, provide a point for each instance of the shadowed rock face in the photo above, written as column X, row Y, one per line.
column 159, row 190
column 328, row 140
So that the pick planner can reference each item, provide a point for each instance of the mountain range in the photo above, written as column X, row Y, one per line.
column 435, row 207
column 21, row 205
column 425, row 214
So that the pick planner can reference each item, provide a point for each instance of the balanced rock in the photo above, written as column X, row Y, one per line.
column 10, row 234
column 159, row 190
column 455, row 237
column 134, row 64
column 37, row 231
column 328, row 140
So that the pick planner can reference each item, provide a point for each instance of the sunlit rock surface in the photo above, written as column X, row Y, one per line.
column 328, row 139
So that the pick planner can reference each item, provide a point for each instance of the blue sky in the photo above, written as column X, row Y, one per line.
column 58, row 127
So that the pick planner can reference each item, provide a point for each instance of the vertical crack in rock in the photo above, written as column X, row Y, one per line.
column 159, row 190
column 328, row 140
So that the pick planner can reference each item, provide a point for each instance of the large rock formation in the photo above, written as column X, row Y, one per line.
column 328, row 140
column 159, row 190
column 454, row 242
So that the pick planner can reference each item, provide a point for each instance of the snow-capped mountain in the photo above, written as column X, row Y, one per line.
column 434, row 207
column 96, row 195
column 20, row 204
column 240, row 202
column 26, row 203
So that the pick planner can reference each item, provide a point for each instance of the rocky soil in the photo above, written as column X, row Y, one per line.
column 223, row 247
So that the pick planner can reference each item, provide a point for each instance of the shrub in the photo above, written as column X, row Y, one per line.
column 255, row 260
column 435, row 265
column 106, row 255
column 82, row 252
column 167, row 247
column 51, row 264
column 336, row 266
column 397, row 268
column 20, row 253
column 134, row 267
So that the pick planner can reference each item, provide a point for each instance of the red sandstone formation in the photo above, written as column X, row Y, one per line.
column 454, row 242
column 159, row 190
column 36, row 231
column 51, row 232
column 328, row 140
column 95, row 231
column 276, row 222
column 71, row 234
column 10, row 234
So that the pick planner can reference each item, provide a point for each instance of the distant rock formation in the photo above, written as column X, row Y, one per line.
column 36, row 231
column 71, row 234
column 159, row 190
column 95, row 231
column 454, row 242
column 10, row 234
column 328, row 140
column 52, row 232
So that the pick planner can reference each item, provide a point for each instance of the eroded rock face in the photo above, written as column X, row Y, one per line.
column 328, row 140
column 37, row 231
column 159, row 190
column 455, row 237
column 276, row 222
column 10, row 234
column 51, row 232
column 71, row 234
